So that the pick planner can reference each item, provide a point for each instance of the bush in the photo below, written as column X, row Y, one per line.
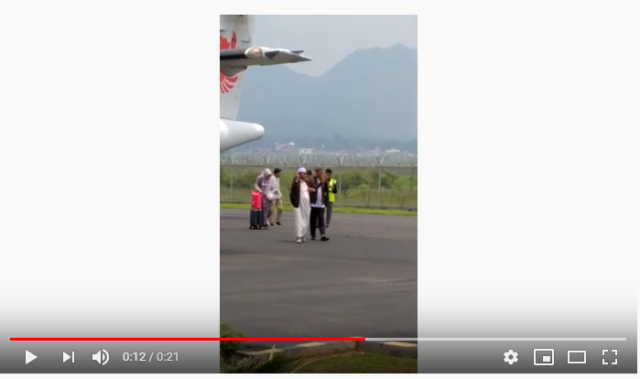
column 227, row 348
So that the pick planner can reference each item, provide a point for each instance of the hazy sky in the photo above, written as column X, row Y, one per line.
column 328, row 39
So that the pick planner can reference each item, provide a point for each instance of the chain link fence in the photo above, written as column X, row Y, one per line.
column 364, row 180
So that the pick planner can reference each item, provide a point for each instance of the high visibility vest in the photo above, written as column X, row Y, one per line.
column 332, row 196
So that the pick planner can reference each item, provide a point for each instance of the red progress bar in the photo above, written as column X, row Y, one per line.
column 189, row 339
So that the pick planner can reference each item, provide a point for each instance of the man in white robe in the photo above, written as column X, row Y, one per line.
column 299, row 197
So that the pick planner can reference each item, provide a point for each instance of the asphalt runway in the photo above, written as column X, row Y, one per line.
column 361, row 283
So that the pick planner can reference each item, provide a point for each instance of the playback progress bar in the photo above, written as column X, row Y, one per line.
column 499, row 339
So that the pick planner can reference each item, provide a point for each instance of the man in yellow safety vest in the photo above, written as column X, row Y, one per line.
column 333, row 189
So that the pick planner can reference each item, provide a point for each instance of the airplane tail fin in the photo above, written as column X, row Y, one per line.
column 236, row 32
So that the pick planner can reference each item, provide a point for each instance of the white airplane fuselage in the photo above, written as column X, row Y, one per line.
column 236, row 133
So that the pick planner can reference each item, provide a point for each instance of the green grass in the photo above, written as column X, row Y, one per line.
column 345, row 210
column 358, row 187
column 346, row 363
column 359, row 362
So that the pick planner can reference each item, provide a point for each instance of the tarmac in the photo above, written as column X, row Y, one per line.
column 361, row 283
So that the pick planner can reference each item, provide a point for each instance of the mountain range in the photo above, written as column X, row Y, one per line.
column 371, row 95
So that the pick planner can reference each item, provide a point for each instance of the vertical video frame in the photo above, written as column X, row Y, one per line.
column 318, row 194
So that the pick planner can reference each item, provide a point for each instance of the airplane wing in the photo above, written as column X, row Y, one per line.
column 234, row 61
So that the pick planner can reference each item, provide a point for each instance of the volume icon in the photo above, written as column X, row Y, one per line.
column 66, row 357
column 102, row 357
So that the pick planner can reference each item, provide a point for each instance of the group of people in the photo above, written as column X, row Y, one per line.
column 310, row 196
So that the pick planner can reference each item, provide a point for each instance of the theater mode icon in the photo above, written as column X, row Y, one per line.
column 543, row 357
column 577, row 357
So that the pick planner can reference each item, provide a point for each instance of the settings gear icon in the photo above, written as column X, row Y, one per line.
column 511, row 357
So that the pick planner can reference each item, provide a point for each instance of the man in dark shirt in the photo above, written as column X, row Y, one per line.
column 318, row 200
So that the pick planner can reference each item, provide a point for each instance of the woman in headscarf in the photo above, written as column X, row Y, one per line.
column 265, row 186
column 299, row 197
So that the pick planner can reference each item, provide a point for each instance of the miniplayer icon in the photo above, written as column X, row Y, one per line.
column 543, row 357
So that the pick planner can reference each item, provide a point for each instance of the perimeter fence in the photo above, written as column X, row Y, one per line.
column 364, row 180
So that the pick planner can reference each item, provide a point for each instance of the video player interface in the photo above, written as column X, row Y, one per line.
column 138, row 234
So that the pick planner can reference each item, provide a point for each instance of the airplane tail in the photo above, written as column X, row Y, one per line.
column 235, row 33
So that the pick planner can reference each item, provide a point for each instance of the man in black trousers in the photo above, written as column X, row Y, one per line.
column 318, row 199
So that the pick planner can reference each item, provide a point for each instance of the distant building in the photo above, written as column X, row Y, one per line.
column 286, row 147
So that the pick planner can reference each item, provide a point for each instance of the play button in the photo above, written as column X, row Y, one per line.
column 29, row 357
